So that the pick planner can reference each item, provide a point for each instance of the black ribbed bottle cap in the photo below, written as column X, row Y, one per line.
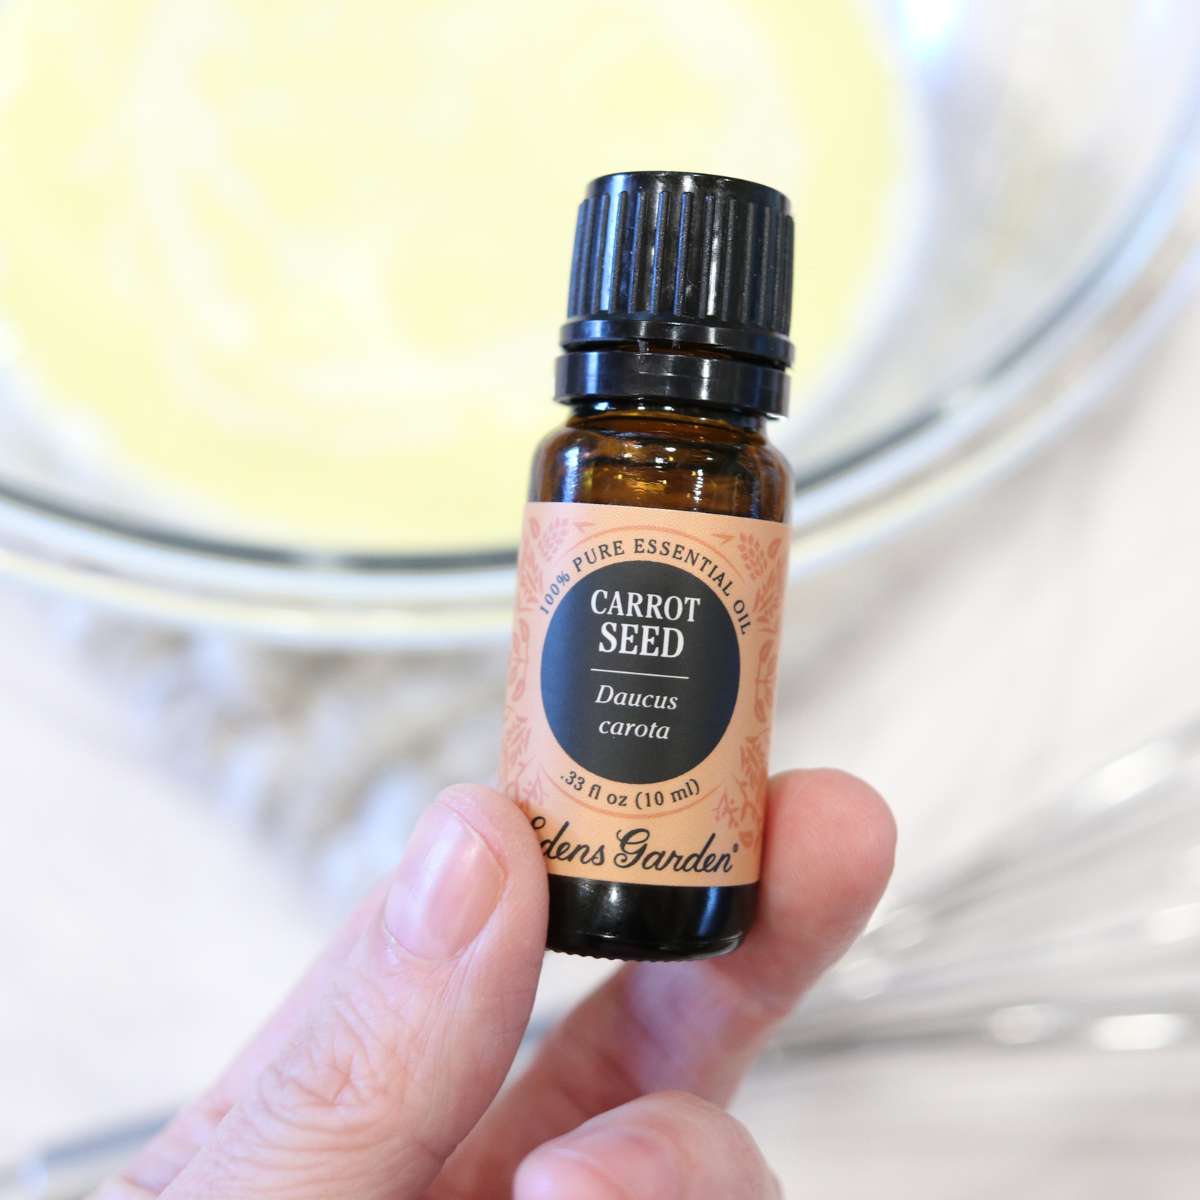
column 701, row 262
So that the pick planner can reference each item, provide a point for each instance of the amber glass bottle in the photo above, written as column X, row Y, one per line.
column 652, row 566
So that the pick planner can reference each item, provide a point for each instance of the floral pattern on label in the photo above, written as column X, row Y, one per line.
column 640, row 690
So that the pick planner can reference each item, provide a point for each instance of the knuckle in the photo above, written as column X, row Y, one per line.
column 345, row 1086
column 739, row 1150
column 753, row 1004
column 682, row 1121
column 696, row 1125
column 342, row 1077
column 741, row 1139
column 675, row 1099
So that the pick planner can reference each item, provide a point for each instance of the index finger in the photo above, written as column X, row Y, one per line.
column 697, row 1026
column 405, row 1035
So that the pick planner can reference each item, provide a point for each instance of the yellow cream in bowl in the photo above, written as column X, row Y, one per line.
column 240, row 243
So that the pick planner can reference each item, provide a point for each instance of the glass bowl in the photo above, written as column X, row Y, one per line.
column 1053, row 235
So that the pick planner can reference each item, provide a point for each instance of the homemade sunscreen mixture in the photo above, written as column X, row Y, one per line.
column 652, row 568
column 256, row 260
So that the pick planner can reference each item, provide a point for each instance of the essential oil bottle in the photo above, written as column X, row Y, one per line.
column 652, row 567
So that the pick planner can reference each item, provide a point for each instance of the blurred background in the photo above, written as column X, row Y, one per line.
column 268, row 389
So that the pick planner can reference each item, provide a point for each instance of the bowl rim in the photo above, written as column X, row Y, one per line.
column 967, row 432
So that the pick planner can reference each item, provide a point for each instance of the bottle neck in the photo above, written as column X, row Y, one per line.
column 599, row 411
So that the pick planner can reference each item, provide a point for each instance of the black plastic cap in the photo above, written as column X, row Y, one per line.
column 700, row 261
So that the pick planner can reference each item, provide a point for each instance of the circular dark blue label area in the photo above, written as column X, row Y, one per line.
column 640, row 672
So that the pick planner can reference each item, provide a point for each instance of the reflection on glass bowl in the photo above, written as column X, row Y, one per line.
column 1055, row 160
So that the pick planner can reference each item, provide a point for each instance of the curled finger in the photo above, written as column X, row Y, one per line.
column 669, row 1146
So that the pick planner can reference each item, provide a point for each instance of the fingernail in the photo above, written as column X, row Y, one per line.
column 581, row 1169
column 445, row 889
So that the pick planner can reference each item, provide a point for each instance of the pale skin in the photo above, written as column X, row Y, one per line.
column 379, row 1077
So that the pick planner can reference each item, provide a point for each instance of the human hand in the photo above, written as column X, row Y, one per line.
column 378, row 1077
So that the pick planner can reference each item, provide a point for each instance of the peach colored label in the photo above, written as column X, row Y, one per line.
column 640, row 690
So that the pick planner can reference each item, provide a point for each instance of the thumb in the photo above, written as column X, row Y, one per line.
column 414, row 1032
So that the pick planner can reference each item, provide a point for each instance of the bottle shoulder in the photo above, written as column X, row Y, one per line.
column 663, row 464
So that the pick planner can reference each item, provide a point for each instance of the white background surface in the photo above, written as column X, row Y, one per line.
column 966, row 671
